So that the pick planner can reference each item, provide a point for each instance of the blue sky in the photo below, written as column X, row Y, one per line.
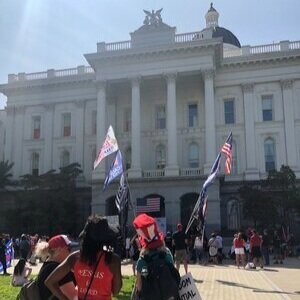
column 36, row 35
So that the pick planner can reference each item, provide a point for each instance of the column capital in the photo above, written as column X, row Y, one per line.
column 101, row 84
column 170, row 76
column 208, row 73
column 20, row 109
column 10, row 110
column 248, row 87
column 49, row 107
column 136, row 80
column 80, row 103
column 286, row 84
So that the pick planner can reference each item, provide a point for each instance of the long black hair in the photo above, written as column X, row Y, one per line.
column 19, row 268
column 94, row 240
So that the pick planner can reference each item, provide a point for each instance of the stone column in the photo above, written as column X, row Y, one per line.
column 172, row 163
column 80, row 132
column 48, row 131
column 251, row 172
column 18, row 141
column 210, row 130
column 289, row 122
column 101, row 126
column 135, row 170
column 8, row 155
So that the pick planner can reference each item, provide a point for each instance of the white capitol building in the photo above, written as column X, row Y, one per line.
column 172, row 99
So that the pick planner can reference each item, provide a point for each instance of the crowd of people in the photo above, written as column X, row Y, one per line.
column 94, row 271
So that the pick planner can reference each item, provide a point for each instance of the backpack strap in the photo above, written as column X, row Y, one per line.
column 96, row 266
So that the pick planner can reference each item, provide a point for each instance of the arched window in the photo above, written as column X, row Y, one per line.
column 193, row 155
column 65, row 158
column 234, row 169
column 128, row 158
column 35, row 162
column 270, row 159
column 160, row 155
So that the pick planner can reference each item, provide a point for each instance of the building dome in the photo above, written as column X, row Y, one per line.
column 212, row 18
column 228, row 36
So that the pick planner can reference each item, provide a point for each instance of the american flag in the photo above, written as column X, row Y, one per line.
column 144, row 205
column 227, row 150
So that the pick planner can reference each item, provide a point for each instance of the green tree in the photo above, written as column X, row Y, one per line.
column 5, row 173
column 282, row 186
column 258, row 206
column 48, row 202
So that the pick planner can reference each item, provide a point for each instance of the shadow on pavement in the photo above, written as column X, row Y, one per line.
column 270, row 270
column 255, row 290
column 275, row 292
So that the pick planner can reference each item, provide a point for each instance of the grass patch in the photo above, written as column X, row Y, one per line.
column 8, row 292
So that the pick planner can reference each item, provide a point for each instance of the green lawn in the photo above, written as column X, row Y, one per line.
column 8, row 292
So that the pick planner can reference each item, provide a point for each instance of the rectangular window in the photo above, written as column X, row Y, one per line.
column 127, row 120
column 66, row 121
column 36, row 127
column 229, row 111
column 160, row 117
column 193, row 115
column 267, row 107
column 94, row 122
column 35, row 164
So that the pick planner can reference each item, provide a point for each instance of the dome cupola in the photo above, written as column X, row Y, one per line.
column 212, row 24
column 212, row 17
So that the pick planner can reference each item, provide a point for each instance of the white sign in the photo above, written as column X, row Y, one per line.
column 188, row 289
column 162, row 225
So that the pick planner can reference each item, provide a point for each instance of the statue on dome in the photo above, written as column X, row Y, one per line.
column 153, row 18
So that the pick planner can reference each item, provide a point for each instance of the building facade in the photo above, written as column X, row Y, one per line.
column 172, row 99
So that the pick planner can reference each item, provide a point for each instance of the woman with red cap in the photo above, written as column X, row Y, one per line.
column 55, row 251
column 152, row 243
column 97, row 269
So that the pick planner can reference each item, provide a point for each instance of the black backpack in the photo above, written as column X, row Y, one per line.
column 160, row 281
column 29, row 291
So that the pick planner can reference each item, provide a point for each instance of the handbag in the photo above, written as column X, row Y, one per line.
column 93, row 275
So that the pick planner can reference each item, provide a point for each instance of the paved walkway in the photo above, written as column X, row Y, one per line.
column 226, row 282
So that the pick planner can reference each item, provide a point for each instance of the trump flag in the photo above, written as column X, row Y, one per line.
column 109, row 146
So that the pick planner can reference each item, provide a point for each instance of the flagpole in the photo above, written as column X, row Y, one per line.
column 130, row 203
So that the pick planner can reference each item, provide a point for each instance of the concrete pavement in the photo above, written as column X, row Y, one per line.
column 227, row 282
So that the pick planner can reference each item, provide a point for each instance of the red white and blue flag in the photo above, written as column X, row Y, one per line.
column 145, row 205
column 109, row 146
column 116, row 169
column 227, row 150
column 9, row 254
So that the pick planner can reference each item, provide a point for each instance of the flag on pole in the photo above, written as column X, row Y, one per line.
column 122, row 195
column 116, row 169
column 227, row 150
column 9, row 255
column 122, row 202
column 199, row 211
column 109, row 146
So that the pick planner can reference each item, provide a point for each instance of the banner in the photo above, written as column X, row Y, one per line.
column 188, row 289
column 109, row 146
column 162, row 225
column 9, row 253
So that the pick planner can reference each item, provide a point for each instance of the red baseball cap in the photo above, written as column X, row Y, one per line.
column 59, row 241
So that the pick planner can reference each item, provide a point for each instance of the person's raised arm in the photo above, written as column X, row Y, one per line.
column 52, row 282
column 115, row 268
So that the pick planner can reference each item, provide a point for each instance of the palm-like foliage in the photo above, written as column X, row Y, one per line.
column 5, row 173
